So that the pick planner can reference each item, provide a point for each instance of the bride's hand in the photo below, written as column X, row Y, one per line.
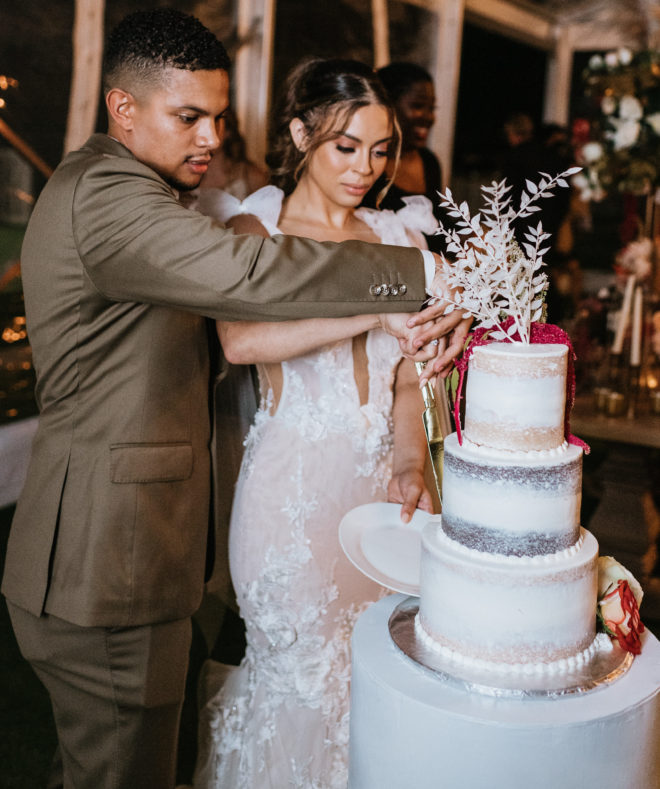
column 408, row 489
column 411, row 341
column 448, row 348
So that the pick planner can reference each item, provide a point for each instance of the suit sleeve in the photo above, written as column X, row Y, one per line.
column 137, row 243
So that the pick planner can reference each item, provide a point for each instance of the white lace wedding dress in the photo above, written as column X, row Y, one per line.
column 280, row 720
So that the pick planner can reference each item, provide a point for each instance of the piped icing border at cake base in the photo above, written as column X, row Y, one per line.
column 601, row 643
column 604, row 665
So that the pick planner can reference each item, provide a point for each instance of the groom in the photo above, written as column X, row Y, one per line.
column 105, row 561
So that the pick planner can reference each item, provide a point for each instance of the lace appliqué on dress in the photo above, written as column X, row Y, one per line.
column 281, row 719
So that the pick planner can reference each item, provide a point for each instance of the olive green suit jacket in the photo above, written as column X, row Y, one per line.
column 111, row 527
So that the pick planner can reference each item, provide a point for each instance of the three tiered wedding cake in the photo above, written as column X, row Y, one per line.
column 508, row 578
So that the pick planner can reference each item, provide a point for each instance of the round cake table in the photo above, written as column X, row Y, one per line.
column 411, row 729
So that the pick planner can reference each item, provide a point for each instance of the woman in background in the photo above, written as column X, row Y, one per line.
column 418, row 172
column 339, row 426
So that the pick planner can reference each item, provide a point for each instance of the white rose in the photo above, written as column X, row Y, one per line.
column 592, row 152
column 596, row 62
column 611, row 60
column 630, row 108
column 625, row 56
column 625, row 134
column 653, row 121
column 608, row 105
column 580, row 181
column 610, row 572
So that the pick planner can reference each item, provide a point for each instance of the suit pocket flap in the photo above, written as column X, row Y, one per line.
column 150, row 462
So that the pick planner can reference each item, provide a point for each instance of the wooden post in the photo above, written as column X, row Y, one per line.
column 86, row 72
column 446, row 75
column 557, row 96
column 253, row 73
column 380, row 23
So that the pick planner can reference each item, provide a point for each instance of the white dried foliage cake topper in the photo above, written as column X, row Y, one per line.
column 492, row 276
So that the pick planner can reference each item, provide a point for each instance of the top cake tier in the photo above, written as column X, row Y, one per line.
column 516, row 395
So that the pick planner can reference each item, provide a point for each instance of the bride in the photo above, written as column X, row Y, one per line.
column 339, row 425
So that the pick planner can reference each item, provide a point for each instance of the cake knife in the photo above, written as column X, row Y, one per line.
column 433, row 430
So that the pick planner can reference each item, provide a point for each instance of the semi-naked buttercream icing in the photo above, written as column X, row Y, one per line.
column 515, row 396
column 504, row 609
column 508, row 577
column 515, row 503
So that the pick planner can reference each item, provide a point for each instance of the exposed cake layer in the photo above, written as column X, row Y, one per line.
column 516, row 503
column 507, row 609
column 515, row 396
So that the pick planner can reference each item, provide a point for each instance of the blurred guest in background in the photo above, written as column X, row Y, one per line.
column 418, row 171
column 529, row 153
column 230, row 169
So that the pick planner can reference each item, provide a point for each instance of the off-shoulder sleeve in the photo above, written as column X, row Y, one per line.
column 405, row 227
column 265, row 204
column 417, row 214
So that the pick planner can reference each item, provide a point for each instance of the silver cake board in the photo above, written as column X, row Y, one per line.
column 603, row 668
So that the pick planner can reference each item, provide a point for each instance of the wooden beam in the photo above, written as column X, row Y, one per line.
column 24, row 149
column 521, row 21
column 86, row 72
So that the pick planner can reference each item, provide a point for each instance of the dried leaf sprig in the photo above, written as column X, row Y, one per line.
column 492, row 276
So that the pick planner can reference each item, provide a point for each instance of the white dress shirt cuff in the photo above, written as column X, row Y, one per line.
column 429, row 269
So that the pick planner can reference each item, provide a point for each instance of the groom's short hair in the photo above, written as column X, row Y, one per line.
column 145, row 44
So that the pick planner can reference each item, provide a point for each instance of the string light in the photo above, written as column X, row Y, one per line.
column 5, row 83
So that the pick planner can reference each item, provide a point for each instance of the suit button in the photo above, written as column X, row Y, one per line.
column 385, row 289
column 394, row 290
column 403, row 289
column 375, row 290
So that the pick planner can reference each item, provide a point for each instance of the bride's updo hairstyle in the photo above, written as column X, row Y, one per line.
column 324, row 95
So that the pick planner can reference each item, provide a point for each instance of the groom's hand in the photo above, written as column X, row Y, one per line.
column 411, row 341
column 430, row 335
column 434, row 323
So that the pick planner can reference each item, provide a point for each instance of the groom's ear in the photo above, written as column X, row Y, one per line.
column 298, row 134
column 121, row 108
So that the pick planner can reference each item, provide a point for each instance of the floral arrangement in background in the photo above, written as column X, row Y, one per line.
column 622, row 151
column 635, row 259
column 494, row 277
column 655, row 333
column 619, row 598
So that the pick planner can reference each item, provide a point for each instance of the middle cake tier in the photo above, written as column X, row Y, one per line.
column 511, row 503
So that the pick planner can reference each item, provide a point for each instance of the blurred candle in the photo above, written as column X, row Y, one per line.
column 617, row 345
column 636, row 341
column 616, row 404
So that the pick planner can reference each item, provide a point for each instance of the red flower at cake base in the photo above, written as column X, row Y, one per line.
column 619, row 613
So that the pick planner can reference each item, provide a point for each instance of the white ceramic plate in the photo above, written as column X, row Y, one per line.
column 384, row 548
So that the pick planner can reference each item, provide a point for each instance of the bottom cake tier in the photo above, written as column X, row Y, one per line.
column 508, row 612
